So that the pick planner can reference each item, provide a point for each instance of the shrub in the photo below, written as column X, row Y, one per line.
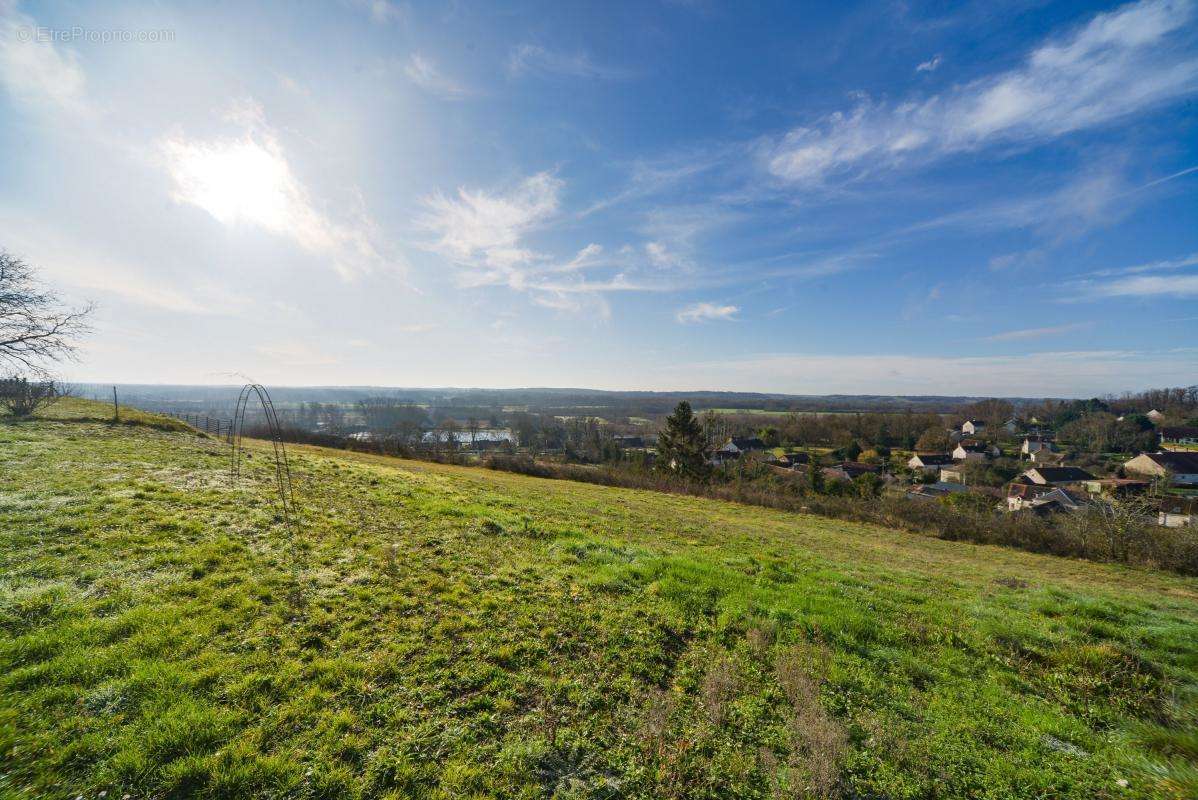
column 21, row 397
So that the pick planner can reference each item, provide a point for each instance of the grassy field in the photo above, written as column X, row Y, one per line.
column 447, row 632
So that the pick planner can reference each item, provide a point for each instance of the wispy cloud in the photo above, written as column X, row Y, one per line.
column 483, row 232
column 1097, row 197
column 706, row 312
column 425, row 74
column 1138, row 281
column 1146, row 286
column 533, row 59
column 1165, row 265
column 37, row 73
column 1038, row 333
column 930, row 65
column 1116, row 65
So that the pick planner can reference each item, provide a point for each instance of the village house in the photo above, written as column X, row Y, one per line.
column 1055, row 476
column 1042, row 499
column 1182, row 435
column 973, row 450
column 1155, row 416
column 1034, row 444
column 930, row 462
column 793, row 460
column 1178, row 512
column 1182, row 466
column 934, row 491
column 737, row 446
column 1047, row 458
column 848, row 470
column 1109, row 488
column 955, row 475
column 973, row 427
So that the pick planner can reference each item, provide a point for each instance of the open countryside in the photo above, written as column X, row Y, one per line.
column 621, row 400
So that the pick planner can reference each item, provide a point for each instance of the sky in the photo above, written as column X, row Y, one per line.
column 985, row 198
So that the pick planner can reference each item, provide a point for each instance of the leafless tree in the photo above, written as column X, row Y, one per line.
column 35, row 328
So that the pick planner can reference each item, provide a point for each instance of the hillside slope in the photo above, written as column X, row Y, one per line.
column 450, row 632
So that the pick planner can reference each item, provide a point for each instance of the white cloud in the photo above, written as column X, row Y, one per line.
column 661, row 257
column 930, row 65
column 1118, row 64
column 532, row 59
column 1154, row 266
column 37, row 73
column 1146, row 286
column 1038, row 333
column 705, row 312
column 1136, row 281
column 424, row 73
column 483, row 231
column 1096, row 198
column 247, row 180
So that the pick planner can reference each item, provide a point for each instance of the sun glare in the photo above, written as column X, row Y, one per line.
column 234, row 181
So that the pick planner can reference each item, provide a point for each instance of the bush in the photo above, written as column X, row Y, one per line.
column 21, row 397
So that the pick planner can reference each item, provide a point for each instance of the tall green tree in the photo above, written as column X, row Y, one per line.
column 680, row 445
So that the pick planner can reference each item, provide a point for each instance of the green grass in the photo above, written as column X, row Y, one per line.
column 73, row 409
column 439, row 631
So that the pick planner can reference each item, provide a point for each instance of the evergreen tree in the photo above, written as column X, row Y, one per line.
column 815, row 477
column 680, row 446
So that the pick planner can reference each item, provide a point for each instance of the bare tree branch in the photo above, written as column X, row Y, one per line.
column 35, row 329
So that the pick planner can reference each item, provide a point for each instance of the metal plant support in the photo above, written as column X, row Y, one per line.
column 282, row 467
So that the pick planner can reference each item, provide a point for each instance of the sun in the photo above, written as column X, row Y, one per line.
column 237, row 180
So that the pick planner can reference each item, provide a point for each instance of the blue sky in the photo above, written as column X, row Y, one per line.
column 986, row 198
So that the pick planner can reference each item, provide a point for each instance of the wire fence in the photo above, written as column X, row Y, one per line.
column 213, row 426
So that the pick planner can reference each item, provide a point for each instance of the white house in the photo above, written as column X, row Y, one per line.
column 736, row 445
column 1182, row 465
column 1155, row 415
column 1047, row 457
column 975, row 451
column 930, row 462
column 1034, row 445
column 973, row 426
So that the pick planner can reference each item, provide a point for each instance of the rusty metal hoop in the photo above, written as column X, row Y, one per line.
column 282, row 466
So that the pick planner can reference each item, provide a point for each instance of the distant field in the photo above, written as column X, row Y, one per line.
column 448, row 632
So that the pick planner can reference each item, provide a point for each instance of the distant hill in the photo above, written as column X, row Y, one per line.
column 548, row 400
